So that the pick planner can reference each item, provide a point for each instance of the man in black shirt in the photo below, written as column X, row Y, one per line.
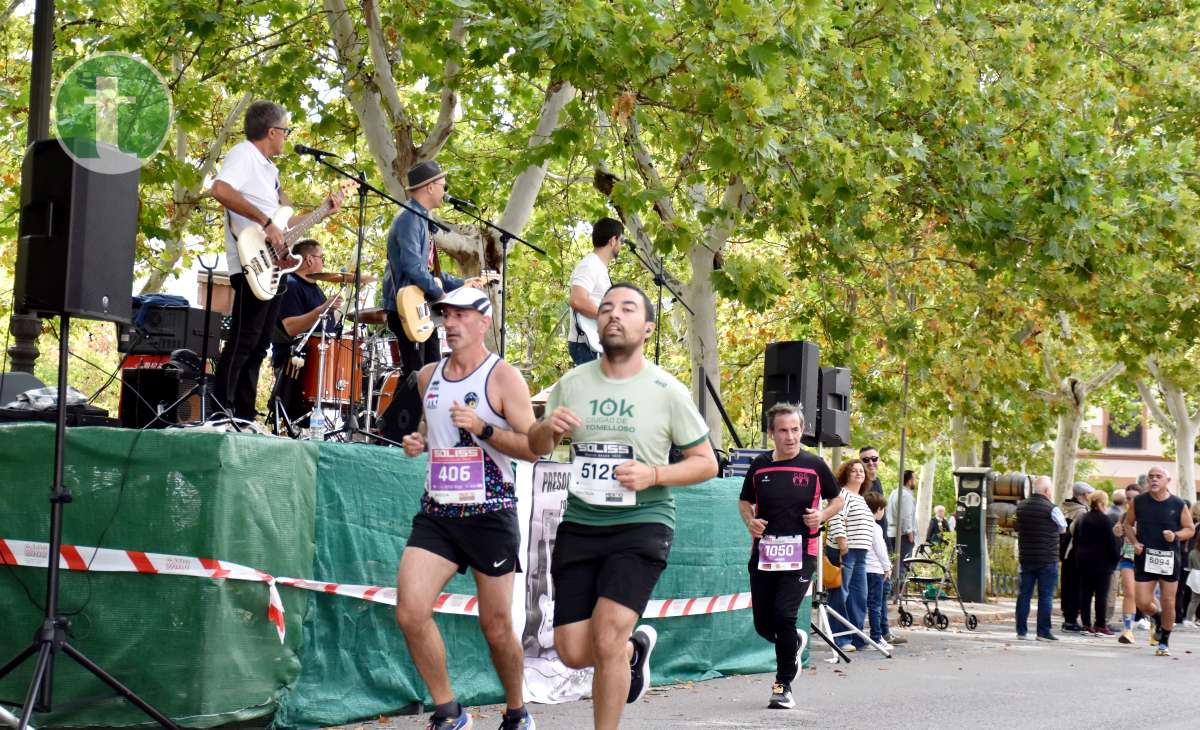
column 1157, row 523
column 780, row 504
column 299, row 308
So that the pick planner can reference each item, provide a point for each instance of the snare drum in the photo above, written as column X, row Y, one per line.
column 338, row 360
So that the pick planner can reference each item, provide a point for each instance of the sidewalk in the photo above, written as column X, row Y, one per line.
column 994, row 611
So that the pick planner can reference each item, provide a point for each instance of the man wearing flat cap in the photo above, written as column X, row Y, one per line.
column 411, row 259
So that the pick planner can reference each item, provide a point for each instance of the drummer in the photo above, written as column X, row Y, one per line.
column 299, row 308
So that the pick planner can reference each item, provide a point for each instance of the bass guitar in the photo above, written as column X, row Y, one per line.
column 416, row 313
column 263, row 264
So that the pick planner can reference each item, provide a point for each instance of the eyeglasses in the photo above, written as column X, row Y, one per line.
column 287, row 131
column 318, row 256
column 868, row 459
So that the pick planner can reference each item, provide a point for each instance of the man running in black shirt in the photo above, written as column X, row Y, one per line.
column 780, row 504
column 1156, row 524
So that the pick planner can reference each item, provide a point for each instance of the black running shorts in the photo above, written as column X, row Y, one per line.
column 1141, row 576
column 487, row 543
column 618, row 562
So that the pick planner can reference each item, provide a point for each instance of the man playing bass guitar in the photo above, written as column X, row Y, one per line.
column 248, row 188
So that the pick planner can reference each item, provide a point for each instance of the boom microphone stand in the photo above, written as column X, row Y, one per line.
column 51, row 636
column 350, row 426
column 505, row 237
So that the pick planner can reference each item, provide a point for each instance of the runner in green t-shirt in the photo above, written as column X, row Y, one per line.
column 623, row 414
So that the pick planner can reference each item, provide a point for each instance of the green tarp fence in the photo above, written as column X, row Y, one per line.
column 204, row 652
column 200, row 650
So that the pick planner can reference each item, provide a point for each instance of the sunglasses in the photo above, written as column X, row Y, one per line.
column 868, row 459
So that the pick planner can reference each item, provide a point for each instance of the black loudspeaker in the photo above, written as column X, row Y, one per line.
column 790, row 375
column 403, row 416
column 833, row 419
column 75, row 237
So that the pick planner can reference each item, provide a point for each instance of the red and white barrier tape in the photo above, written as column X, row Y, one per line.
column 111, row 560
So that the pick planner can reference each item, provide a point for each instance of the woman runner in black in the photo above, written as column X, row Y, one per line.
column 780, row 504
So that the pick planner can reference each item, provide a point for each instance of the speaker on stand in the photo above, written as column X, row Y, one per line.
column 790, row 375
column 833, row 416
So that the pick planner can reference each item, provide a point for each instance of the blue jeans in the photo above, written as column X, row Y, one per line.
column 876, row 611
column 580, row 352
column 1046, row 577
column 854, row 587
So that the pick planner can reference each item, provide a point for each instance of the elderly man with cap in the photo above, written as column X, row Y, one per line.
column 1069, row 585
column 412, row 259
column 477, row 414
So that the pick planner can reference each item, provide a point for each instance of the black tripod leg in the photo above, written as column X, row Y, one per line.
column 16, row 661
column 35, row 684
column 121, row 689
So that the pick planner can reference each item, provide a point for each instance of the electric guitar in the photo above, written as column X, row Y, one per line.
column 590, row 331
column 416, row 313
column 264, row 265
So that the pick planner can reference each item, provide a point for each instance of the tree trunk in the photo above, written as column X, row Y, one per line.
column 702, row 336
column 925, row 495
column 962, row 451
column 1179, row 422
column 1066, row 446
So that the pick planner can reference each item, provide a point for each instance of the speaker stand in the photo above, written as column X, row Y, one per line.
column 51, row 636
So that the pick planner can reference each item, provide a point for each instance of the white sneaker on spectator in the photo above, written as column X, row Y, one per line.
column 884, row 645
column 1188, row 623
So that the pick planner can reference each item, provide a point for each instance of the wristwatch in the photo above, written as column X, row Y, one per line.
column 487, row 431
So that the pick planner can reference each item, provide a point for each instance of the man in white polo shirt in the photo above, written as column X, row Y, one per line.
column 248, row 188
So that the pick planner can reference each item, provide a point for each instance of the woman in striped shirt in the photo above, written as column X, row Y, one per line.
column 852, row 531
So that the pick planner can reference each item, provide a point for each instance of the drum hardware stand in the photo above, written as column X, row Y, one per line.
column 295, row 363
column 505, row 238
column 821, row 626
column 51, row 635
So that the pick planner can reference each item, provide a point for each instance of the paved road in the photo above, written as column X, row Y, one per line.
column 984, row 679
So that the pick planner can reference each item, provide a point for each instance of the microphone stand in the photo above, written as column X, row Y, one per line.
column 350, row 426
column 660, row 280
column 505, row 237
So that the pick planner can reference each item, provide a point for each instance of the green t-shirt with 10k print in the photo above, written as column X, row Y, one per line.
column 650, row 411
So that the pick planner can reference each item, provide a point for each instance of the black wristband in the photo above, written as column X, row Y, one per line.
column 487, row 432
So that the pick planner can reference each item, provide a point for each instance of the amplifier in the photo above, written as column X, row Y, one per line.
column 147, row 394
column 167, row 330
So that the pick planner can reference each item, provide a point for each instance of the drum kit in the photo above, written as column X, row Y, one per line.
column 333, row 377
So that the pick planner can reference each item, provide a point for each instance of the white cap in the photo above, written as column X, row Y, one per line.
column 466, row 297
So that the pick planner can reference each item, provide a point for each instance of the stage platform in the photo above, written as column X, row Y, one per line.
column 205, row 652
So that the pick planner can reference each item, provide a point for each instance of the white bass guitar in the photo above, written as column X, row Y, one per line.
column 264, row 265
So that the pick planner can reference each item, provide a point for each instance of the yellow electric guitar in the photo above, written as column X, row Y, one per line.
column 416, row 314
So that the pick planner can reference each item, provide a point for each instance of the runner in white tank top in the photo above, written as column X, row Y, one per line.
column 477, row 415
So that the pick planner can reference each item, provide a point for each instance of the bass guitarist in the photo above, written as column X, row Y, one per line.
column 589, row 282
column 248, row 188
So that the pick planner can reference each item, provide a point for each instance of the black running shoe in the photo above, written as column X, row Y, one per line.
column 644, row 637
column 781, row 697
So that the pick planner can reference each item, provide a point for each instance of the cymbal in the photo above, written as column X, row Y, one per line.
column 372, row 315
column 343, row 277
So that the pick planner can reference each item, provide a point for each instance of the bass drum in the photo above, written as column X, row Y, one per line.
column 399, row 410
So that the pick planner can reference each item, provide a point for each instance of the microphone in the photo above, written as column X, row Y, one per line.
column 303, row 150
column 458, row 202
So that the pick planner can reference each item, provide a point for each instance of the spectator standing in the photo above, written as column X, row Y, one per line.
column 907, row 520
column 851, row 530
column 879, row 569
column 1068, row 591
column 1096, row 554
column 1039, row 524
